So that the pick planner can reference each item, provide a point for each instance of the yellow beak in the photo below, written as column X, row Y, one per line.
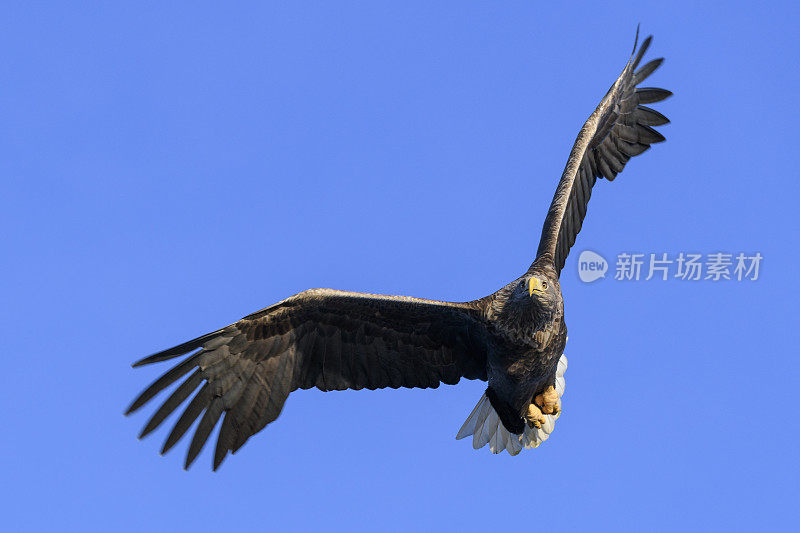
column 534, row 285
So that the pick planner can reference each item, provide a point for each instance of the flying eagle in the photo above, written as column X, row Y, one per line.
column 336, row 340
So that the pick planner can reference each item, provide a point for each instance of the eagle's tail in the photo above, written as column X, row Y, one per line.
column 485, row 426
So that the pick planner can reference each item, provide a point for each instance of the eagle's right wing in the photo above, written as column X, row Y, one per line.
column 332, row 340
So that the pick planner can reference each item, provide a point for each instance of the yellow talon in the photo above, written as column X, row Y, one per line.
column 548, row 401
column 534, row 416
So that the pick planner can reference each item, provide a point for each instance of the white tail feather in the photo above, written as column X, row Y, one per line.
column 514, row 445
column 469, row 426
column 485, row 426
column 487, row 429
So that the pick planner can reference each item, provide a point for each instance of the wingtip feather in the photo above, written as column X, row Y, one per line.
column 184, row 348
column 642, row 50
column 636, row 39
column 647, row 69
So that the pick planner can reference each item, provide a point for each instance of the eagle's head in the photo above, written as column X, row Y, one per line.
column 527, row 304
column 543, row 293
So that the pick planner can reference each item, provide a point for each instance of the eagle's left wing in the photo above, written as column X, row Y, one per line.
column 619, row 129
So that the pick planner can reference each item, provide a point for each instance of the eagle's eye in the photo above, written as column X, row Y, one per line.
column 544, row 284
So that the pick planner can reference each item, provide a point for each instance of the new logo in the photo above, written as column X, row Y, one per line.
column 591, row 266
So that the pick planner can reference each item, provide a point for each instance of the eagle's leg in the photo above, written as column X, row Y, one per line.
column 548, row 401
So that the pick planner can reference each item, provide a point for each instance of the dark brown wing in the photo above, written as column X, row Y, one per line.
column 332, row 340
column 619, row 129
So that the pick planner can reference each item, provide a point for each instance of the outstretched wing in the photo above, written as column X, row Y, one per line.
column 619, row 129
column 332, row 340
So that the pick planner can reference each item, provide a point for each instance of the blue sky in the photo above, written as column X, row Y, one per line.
column 167, row 170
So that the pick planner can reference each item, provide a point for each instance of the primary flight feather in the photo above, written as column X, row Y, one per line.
column 514, row 338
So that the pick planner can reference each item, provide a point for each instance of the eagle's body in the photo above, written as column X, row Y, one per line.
column 528, row 342
column 336, row 340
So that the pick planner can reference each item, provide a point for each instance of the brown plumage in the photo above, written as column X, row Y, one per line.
column 334, row 340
